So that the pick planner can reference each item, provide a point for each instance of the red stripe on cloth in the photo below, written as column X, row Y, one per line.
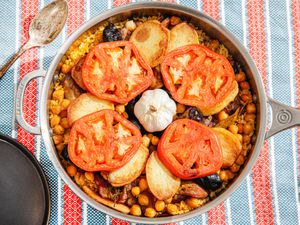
column 120, row 2
column 28, row 64
column 261, row 170
column 217, row 214
column 211, row 8
column 296, row 30
column 72, row 203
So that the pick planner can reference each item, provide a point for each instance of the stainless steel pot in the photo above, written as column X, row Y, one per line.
column 283, row 116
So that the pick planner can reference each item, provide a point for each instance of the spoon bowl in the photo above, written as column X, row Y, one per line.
column 44, row 28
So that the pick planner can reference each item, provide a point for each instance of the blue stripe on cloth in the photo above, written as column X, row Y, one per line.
column 283, row 152
column 8, row 31
column 239, row 201
column 189, row 3
column 97, row 8
column 48, row 53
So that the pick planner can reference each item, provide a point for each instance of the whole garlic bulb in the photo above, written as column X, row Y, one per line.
column 155, row 110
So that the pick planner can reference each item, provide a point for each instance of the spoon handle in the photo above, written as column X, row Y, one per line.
column 6, row 66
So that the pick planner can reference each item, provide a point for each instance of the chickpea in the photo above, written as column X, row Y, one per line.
column 248, row 128
column 71, row 170
column 240, row 160
column 235, row 168
column 58, row 95
column 60, row 146
column 135, row 191
column 160, row 205
column 240, row 128
column 192, row 202
column 150, row 135
column 251, row 108
column 57, row 139
column 79, row 178
column 120, row 108
column 224, row 176
column 246, row 139
column 135, row 210
column 246, row 97
column 66, row 137
column 64, row 123
column 58, row 129
column 180, row 108
column 54, row 120
column 250, row 117
column 240, row 77
column 174, row 20
column 143, row 200
column 89, row 176
column 233, row 128
column 63, row 114
column 150, row 212
column 154, row 140
column 244, row 85
column 172, row 209
column 143, row 184
column 222, row 115
column 65, row 104
column 130, row 25
column 56, row 109
column 146, row 140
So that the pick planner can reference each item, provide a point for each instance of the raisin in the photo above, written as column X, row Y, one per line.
column 111, row 33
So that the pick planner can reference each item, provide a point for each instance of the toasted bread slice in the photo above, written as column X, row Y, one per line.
column 86, row 104
column 230, row 144
column 151, row 39
column 162, row 183
column 221, row 105
column 131, row 170
column 182, row 34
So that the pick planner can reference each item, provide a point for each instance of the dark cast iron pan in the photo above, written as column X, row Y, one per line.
column 24, row 191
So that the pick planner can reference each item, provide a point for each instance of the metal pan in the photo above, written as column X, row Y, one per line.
column 283, row 116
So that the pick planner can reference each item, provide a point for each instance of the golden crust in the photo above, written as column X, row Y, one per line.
column 162, row 183
column 151, row 39
column 182, row 34
column 230, row 144
column 131, row 170
column 86, row 104
column 221, row 105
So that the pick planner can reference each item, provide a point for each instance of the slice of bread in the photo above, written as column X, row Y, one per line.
column 182, row 34
column 86, row 104
column 131, row 170
column 151, row 39
column 162, row 183
column 221, row 105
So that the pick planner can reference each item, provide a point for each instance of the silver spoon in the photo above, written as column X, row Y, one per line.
column 44, row 28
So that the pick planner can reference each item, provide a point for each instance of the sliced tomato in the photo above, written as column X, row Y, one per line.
column 116, row 71
column 103, row 141
column 197, row 76
column 190, row 149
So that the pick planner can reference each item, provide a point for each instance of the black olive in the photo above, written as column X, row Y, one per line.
column 65, row 154
column 212, row 182
column 235, row 67
column 233, row 106
column 111, row 33
column 195, row 114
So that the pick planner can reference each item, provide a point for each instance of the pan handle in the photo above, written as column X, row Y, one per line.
column 20, row 98
column 283, row 117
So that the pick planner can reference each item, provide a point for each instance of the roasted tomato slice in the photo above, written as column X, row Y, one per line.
column 116, row 71
column 103, row 141
column 190, row 149
column 197, row 76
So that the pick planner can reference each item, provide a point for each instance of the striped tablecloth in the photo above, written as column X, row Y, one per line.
column 270, row 30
